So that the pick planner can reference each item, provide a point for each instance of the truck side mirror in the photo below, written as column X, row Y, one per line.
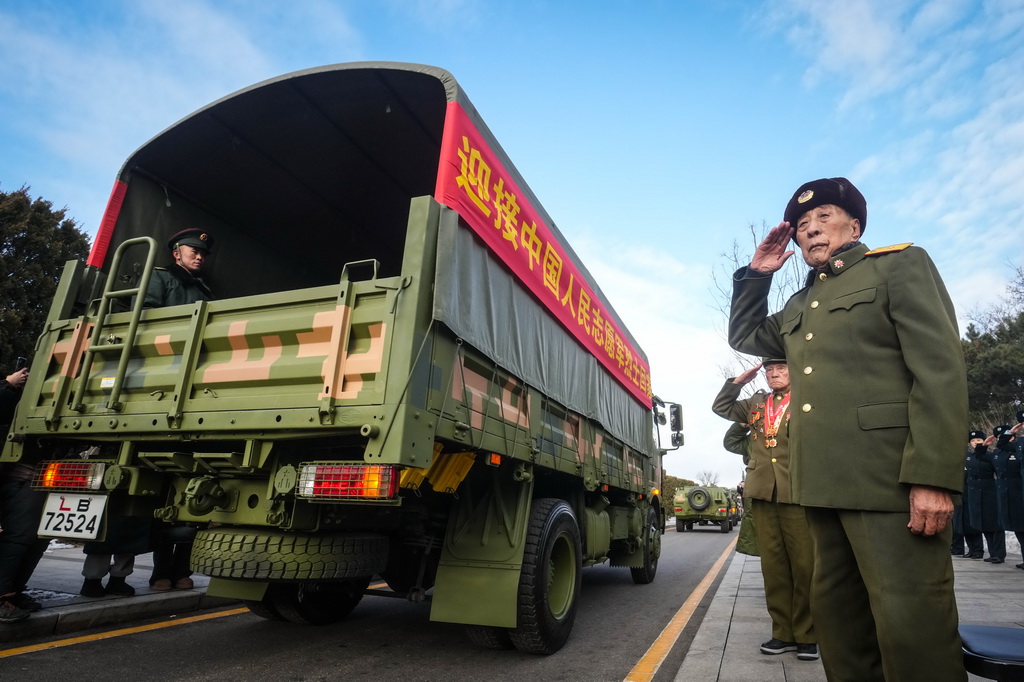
column 675, row 413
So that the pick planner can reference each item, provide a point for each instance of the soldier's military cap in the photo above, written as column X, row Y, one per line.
column 976, row 434
column 837, row 191
column 1020, row 416
column 196, row 238
column 772, row 361
column 1000, row 430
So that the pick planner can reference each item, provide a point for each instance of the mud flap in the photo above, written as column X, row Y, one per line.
column 478, row 576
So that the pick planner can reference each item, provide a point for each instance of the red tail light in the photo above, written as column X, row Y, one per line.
column 347, row 481
column 70, row 475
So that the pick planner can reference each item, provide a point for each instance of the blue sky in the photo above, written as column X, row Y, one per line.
column 653, row 132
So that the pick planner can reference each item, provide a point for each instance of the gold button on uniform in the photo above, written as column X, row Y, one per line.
column 814, row 304
column 806, row 407
column 822, row 276
column 774, row 460
column 809, row 336
column 807, row 370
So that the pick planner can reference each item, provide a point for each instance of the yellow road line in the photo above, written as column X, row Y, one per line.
column 649, row 663
column 118, row 633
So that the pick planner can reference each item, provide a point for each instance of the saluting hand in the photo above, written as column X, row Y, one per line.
column 930, row 510
column 747, row 376
column 771, row 253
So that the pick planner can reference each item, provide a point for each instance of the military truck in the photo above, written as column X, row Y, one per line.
column 705, row 504
column 406, row 372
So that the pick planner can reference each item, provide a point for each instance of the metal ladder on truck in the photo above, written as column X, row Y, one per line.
column 113, row 344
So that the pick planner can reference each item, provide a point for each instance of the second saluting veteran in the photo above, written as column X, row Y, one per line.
column 879, row 403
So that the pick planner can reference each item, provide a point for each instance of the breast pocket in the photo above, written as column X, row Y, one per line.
column 847, row 301
column 791, row 324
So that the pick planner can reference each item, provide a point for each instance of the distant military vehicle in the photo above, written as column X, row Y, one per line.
column 705, row 504
column 407, row 371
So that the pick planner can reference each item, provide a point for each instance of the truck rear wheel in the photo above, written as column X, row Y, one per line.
column 699, row 498
column 264, row 554
column 726, row 525
column 549, row 583
column 680, row 525
column 315, row 603
column 652, row 550
column 489, row 637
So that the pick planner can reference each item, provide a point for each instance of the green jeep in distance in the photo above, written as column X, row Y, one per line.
column 704, row 504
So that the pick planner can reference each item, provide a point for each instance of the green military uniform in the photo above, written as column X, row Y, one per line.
column 737, row 441
column 787, row 557
column 879, row 404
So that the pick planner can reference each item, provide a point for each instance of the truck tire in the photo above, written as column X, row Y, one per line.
column 549, row 583
column 680, row 525
column 489, row 637
column 726, row 525
column 272, row 555
column 652, row 550
column 699, row 498
column 264, row 609
column 315, row 603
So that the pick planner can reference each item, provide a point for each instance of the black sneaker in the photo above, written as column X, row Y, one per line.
column 119, row 587
column 777, row 646
column 9, row 613
column 23, row 601
column 807, row 652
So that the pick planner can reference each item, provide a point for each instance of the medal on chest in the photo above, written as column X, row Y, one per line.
column 773, row 414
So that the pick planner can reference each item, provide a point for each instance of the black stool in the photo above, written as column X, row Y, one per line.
column 994, row 653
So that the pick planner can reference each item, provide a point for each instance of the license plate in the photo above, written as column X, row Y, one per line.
column 70, row 515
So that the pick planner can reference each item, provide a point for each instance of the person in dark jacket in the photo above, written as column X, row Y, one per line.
column 1017, row 431
column 20, row 509
column 1009, row 485
column 182, row 282
column 972, row 544
column 982, row 512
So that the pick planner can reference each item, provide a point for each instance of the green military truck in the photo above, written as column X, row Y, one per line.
column 406, row 373
column 704, row 504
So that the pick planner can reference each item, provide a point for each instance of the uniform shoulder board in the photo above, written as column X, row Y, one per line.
column 888, row 249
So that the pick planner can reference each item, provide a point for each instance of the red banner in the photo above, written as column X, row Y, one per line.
column 473, row 181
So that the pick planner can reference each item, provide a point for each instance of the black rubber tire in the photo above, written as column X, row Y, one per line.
column 549, row 583
column 652, row 551
column 489, row 637
column 726, row 525
column 699, row 498
column 263, row 609
column 315, row 603
column 680, row 525
column 272, row 555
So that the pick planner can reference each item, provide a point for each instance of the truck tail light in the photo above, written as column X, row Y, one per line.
column 347, row 481
column 679, row 509
column 722, row 510
column 70, row 475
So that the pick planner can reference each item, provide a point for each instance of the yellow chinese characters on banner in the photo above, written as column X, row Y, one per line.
column 472, row 180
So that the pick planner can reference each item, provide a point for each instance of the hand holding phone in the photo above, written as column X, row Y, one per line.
column 20, row 364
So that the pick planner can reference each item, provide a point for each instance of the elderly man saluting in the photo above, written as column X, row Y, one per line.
column 879, row 406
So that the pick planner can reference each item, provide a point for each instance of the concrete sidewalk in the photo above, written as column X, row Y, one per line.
column 58, row 579
column 725, row 647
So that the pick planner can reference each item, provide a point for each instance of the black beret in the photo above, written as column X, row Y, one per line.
column 976, row 434
column 837, row 191
column 196, row 238
column 1000, row 430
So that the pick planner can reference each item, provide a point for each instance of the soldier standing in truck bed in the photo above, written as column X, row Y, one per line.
column 782, row 534
column 181, row 283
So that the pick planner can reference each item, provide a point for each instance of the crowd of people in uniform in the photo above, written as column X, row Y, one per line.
column 993, row 497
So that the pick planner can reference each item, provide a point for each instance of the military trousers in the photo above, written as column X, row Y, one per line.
column 787, row 560
column 882, row 599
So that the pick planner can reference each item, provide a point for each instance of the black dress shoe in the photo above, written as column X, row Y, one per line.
column 996, row 560
column 975, row 556
column 989, row 560
column 1020, row 566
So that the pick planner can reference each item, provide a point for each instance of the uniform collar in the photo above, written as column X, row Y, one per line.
column 840, row 262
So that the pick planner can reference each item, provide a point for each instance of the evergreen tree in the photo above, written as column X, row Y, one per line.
column 35, row 243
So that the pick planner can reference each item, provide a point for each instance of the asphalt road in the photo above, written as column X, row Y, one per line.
column 617, row 622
